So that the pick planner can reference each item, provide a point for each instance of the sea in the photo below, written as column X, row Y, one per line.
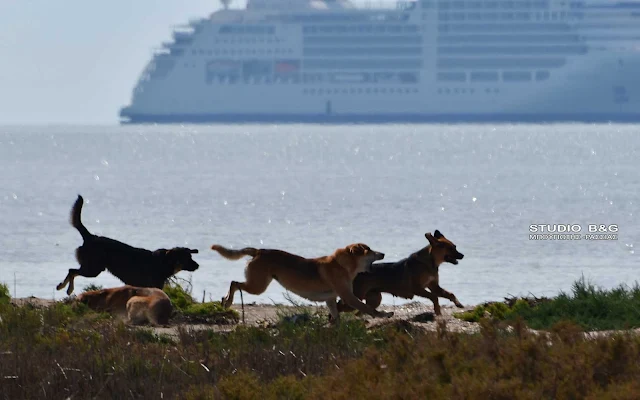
column 310, row 189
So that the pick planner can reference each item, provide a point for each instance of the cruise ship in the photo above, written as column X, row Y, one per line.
column 425, row 60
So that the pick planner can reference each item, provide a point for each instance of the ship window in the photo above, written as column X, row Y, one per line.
column 542, row 75
column 484, row 76
column 426, row 3
column 449, row 63
column 452, row 76
column 516, row 76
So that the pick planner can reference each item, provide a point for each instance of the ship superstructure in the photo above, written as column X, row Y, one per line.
column 454, row 60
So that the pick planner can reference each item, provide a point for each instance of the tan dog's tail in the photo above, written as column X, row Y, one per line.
column 235, row 254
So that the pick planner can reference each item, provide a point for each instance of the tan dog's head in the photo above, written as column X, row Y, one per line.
column 113, row 299
column 95, row 299
column 358, row 257
column 442, row 249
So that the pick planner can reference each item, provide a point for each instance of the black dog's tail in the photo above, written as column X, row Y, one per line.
column 76, row 222
column 234, row 254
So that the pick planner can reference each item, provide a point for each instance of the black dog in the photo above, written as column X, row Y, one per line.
column 133, row 266
column 409, row 277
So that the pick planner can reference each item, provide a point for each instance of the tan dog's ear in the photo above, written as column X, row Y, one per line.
column 431, row 239
column 437, row 234
column 358, row 249
column 344, row 257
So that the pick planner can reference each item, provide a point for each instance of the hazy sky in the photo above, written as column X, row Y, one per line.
column 76, row 61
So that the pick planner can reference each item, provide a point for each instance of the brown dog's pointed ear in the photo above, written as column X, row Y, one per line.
column 437, row 234
column 193, row 251
column 430, row 238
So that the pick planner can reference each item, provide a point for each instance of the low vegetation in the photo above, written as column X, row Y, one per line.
column 588, row 306
column 5, row 295
column 186, row 309
column 67, row 351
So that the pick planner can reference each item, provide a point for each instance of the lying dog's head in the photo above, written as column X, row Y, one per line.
column 112, row 299
column 357, row 257
column 442, row 249
column 180, row 259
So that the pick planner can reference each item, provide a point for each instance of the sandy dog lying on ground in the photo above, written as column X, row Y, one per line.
column 134, row 304
column 316, row 279
column 409, row 277
column 132, row 265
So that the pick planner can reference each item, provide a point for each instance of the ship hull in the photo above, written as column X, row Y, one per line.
column 378, row 118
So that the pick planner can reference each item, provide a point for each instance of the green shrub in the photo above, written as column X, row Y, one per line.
column 91, row 287
column 5, row 295
column 590, row 307
column 180, row 298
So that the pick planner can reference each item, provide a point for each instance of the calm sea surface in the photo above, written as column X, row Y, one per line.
column 311, row 189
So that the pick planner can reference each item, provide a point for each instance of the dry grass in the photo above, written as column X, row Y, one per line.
column 67, row 351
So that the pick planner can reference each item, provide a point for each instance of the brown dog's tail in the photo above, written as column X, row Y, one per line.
column 76, row 222
column 235, row 254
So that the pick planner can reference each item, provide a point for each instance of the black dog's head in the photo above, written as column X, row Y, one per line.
column 179, row 258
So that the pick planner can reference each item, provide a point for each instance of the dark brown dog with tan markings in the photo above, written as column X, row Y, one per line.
column 137, row 305
column 132, row 265
column 316, row 279
column 409, row 277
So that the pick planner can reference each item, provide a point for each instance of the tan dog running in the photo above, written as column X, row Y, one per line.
column 136, row 305
column 315, row 279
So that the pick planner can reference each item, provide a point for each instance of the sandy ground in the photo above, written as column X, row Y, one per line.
column 265, row 314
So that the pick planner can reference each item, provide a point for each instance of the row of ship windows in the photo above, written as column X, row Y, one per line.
column 561, row 38
column 373, row 28
column 440, row 91
column 492, row 76
column 296, row 79
column 513, row 50
column 466, row 91
column 321, row 92
column 507, row 16
column 203, row 52
column 488, row 4
column 505, row 28
column 493, row 4
column 248, row 40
